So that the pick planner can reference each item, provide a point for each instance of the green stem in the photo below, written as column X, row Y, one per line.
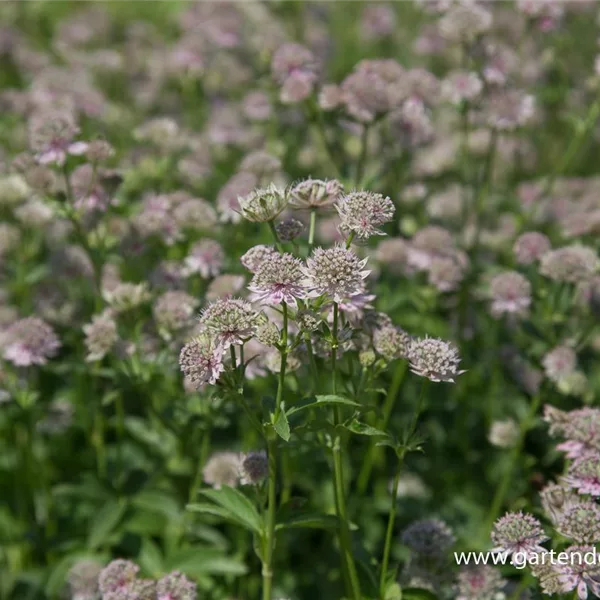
column 120, row 410
column 364, row 146
column 389, row 532
column 276, row 237
column 316, row 118
column 311, row 231
column 349, row 240
column 388, row 407
column 204, row 449
column 504, row 484
column 484, row 188
column 269, row 539
column 345, row 538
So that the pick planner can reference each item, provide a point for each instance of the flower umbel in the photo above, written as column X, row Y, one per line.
column 435, row 359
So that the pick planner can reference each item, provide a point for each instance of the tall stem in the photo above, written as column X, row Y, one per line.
column 504, row 484
column 311, row 231
column 389, row 532
column 121, row 437
column 364, row 146
column 338, row 474
column 388, row 407
column 275, row 237
column 269, row 541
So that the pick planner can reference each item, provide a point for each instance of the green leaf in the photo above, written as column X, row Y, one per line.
column 393, row 592
column 281, row 426
column 310, row 520
column 150, row 558
column 200, row 560
column 235, row 503
column 216, row 511
column 105, row 522
column 359, row 428
column 417, row 594
column 323, row 401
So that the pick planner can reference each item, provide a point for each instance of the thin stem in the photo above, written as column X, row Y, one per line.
column 316, row 118
column 121, row 436
column 275, row 237
column 388, row 407
column 364, row 146
column 338, row 474
column 311, row 231
column 504, row 484
column 389, row 532
column 349, row 240
column 204, row 449
column 269, row 539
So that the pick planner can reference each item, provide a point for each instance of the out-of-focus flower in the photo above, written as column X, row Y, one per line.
column 435, row 359
column 510, row 294
column 256, row 256
column 206, row 258
column 334, row 272
column 362, row 213
column 222, row 468
column 377, row 21
column 428, row 538
column 257, row 106
column 559, row 362
column 557, row 500
column 504, row 434
column 479, row 582
column 173, row 311
column 195, row 213
column 127, row 295
column 518, row 532
column 278, row 280
column 570, row 264
column 254, row 468
column 391, row 342
column 289, row 229
column 29, row 341
column 230, row 320
column 294, row 67
column 462, row 86
column 507, row 110
column 83, row 580
column 116, row 578
column 224, row 286
column 201, row 360
column 51, row 137
column 13, row 189
column 530, row 247
column 263, row 205
column 101, row 335
column 175, row 586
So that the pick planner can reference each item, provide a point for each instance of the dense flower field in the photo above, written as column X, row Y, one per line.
column 298, row 300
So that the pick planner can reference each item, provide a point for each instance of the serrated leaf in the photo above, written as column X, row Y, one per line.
column 236, row 504
column 282, row 427
column 324, row 401
column 310, row 520
column 105, row 522
column 359, row 428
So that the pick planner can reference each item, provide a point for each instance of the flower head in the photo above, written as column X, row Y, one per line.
column 222, row 468
column 230, row 321
column 289, row 229
column 173, row 311
column 175, row 586
column 504, row 434
column 479, row 582
column 581, row 523
column 263, row 205
column 83, row 580
column 315, row 193
column 117, row 576
column 579, row 573
column 29, row 341
column 428, row 537
column 391, row 342
column 570, row 264
column 256, row 256
column 559, row 362
column 101, row 335
column 278, row 280
column 51, row 137
column 255, row 468
column 510, row 293
column 206, row 258
column 434, row 358
column 362, row 213
column 518, row 532
column 335, row 272
column 201, row 360
column 584, row 475
column 531, row 246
